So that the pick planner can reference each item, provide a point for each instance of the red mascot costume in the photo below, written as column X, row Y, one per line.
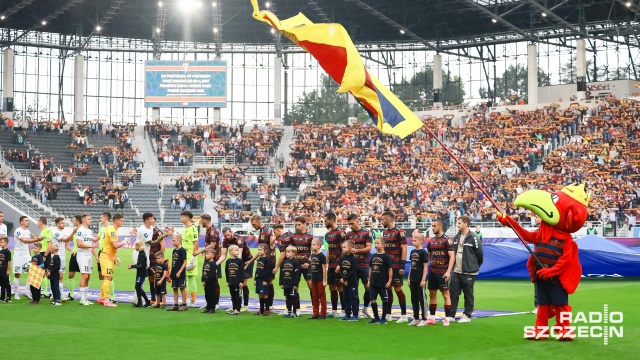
column 563, row 213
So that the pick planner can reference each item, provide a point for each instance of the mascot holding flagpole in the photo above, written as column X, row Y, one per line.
column 554, row 267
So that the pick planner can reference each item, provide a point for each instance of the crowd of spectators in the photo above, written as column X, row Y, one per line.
column 175, row 146
column 358, row 169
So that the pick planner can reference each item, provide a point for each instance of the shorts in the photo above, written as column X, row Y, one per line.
column 262, row 289
column 397, row 279
column 18, row 261
column 178, row 282
column 306, row 274
column 436, row 281
column 85, row 264
column 106, row 266
column 363, row 274
column 333, row 278
column 161, row 289
column 290, row 292
column 374, row 291
column 63, row 264
column 73, row 264
column 140, row 280
column 551, row 293
column 248, row 272
column 271, row 274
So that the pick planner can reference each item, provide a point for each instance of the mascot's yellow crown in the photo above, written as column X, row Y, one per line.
column 578, row 194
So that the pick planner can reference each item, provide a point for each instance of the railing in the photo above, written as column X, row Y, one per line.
column 174, row 170
column 8, row 164
column 214, row 160
column 20, row 205
column 258, row 170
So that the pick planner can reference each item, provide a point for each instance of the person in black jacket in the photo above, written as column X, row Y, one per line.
column 468, row 259
column 141, row 275
column 53, row 273
column 349, row 272
column 234, row 270
column 210, row 281
column 290, row 279
column 37, row 260
column 261, row 280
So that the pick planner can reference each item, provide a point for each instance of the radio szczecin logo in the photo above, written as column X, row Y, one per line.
column 593, row 324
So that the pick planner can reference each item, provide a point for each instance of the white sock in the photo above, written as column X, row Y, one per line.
column 83, row 293
column 61, row 289
column 16, row 285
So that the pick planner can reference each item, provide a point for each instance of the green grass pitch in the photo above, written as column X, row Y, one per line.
column 94, row 332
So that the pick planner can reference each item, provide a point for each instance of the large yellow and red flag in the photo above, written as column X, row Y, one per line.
column 331, row 45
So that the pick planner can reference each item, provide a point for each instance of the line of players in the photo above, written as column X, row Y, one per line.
column 439, row 250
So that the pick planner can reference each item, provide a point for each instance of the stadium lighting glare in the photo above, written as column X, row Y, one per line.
column 273, row 31
column 215, row 30
column 158, row 30
column 401, row 31
column 544, row 14
column 267, row 4
column 2, row 17
column 189, row 5
column 44, row 22
column 494, row 21
column 98, row 28
column 160, row 4
column 628, row 4
column 214, row 4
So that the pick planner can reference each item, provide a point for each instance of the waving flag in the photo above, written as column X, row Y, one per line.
column 331, row 45
column 36, row 273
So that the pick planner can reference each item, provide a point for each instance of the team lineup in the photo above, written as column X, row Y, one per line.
column 352, row 257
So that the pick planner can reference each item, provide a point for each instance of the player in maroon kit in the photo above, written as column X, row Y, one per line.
column 302, row 241
column 334, row 238
column 362, row 239
column 231, row 239
column 281, row 241
column 441, row 259
column 396, row 248
column 211, row 241
column 266, row 237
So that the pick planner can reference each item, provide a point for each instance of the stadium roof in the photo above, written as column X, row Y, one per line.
column 448, row 23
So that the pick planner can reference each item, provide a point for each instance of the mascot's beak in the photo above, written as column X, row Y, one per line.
column 542, row 203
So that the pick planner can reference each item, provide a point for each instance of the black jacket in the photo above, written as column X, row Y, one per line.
column 472, row 255
column 289, row 273
column 234, row 270
column 141, row 265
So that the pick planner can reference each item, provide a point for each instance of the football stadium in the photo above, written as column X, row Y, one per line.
column 320, row 179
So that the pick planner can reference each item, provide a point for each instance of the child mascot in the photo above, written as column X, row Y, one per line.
column 563, row 213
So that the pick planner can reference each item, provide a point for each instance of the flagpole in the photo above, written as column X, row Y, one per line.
column 473, row 179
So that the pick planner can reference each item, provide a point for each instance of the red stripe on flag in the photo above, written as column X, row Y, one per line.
column 333, row 59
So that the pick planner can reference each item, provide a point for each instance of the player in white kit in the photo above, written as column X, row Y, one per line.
column 62, row 238
column 3, row 227
column 87, row 244
column 21, row 254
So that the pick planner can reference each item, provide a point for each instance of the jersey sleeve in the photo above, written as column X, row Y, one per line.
column 450, row 245
column 402, row 237
column 367, row 237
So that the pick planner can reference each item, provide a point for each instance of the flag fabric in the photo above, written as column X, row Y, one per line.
column 332, row 47
column 36, row 273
